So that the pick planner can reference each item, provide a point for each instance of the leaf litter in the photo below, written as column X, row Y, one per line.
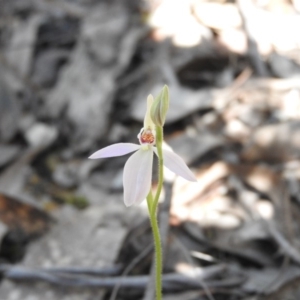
column 73, row 76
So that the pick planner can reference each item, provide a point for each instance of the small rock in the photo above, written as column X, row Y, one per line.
column 41, row 134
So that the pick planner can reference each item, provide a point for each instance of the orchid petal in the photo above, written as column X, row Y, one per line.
column 176, row 164
column 115, row 150
column 137, row 176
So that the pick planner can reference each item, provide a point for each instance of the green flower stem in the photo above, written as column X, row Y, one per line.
column 152, row 207
column 159, row 141
column 157, row 247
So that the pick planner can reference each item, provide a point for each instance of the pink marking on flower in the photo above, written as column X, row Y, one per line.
column 147, row 137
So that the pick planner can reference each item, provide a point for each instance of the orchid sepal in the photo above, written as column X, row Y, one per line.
column 114, row 150
column 176, row 164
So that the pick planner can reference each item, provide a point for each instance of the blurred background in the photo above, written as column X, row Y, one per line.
column 74, row 77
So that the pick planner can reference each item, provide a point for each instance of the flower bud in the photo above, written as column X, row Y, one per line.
column 160, row 107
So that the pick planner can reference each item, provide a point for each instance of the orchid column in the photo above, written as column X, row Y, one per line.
column 137, row 175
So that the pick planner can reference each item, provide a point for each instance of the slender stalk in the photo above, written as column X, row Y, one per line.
column 159, row 140
column 152, row 207
column 157, row 248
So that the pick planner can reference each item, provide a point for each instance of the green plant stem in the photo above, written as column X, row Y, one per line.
column 157, row 248
column 152, row 207
column 159, row 140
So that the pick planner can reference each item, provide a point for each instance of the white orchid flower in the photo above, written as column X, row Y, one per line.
column 137, row 175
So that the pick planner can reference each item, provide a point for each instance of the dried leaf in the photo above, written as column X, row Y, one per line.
column 22, row 217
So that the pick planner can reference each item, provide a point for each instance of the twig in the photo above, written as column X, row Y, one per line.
column 109, row 271
column 171, row 282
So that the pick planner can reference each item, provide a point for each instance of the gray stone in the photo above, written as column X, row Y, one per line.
column 41, row 134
